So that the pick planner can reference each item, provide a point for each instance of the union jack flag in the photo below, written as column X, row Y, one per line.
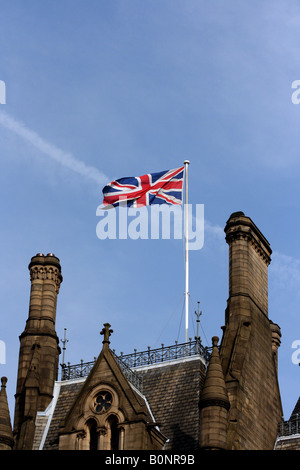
column 154, row 188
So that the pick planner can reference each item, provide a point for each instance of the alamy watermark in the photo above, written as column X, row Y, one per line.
column 2, row 352
column 152, row 222
column 296, row 94
column 2, row 92
column 296, row 354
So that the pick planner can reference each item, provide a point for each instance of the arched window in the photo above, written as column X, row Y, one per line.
column 92, row 427
column 114, row 432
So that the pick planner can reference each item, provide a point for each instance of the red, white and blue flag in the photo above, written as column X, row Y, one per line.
column 165, row 187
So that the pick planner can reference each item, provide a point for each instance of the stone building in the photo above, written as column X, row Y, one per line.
column 181, row 397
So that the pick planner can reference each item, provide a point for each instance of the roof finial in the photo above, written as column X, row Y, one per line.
column 198, row 315
column 64, row 342
column 106, row 332
column 3, row 382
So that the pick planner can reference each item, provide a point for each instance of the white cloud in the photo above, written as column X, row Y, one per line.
column 285, row 271
column 60, row 156
column 215, row 230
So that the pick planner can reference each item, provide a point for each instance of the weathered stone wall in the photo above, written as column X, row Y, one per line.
column 248, row 359
column 39, row 350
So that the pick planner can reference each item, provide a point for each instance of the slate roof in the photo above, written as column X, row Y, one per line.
column 171, row 389
column 47, row 429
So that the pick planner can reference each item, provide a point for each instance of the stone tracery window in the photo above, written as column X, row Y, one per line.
column 103, row 401
column 102, row 420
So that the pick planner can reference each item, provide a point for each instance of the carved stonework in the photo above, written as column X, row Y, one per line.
column 240, row 227
column 101, row 430
column 81, row 435
column 106, row 332
column 46, row 273
column 242, row 233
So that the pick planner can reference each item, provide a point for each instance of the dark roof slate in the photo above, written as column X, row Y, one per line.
column 67, row 394
column 172, row 391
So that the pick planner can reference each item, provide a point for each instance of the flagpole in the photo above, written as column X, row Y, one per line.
column 186, row 294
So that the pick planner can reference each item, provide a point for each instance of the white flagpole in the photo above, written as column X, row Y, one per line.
column 186, row 163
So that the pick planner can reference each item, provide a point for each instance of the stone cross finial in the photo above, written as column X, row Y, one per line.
column 106, row 332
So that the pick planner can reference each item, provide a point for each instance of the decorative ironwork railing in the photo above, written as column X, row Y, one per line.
column 75, row 371
column 137, row 359
column 131, row 376
column 288, row 428
column 166, row 353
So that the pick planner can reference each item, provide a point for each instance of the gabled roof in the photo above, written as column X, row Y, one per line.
column 169, row 401
column 69, row 398
column 171, row 395
column 106, row 370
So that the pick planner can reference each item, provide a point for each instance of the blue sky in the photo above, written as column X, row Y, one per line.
column 98, row 90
